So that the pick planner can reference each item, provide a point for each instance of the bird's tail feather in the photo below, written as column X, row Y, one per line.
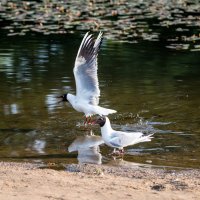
column 146, row 138
column 105, row 111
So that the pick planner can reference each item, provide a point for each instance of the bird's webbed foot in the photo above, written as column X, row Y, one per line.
column 88, row 120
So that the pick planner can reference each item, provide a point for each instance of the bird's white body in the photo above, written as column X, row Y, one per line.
column 120, row 139
column 86, row 108
column 87, row 95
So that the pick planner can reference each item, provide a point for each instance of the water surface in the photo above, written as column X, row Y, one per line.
column 153, row 89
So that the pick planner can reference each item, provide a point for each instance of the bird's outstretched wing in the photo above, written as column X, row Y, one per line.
column 85, row 69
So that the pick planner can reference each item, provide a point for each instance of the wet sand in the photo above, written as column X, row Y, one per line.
column 28, row 181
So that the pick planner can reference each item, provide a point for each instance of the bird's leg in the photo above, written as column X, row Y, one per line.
column 93, row 122
column 86, row 121
column 90, row 120
column 119, row 152
column 115, row 152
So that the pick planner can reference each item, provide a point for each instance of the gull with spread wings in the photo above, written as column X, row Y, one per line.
column 87, row 95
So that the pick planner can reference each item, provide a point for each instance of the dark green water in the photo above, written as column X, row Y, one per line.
column 152, row 88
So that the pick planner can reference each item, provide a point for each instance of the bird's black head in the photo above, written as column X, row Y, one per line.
column 63, row 97
column 101, row 121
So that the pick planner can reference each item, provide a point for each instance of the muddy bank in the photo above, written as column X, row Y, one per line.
column 24, row 180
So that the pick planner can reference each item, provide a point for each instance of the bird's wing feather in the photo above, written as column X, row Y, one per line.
column 85, row 69
column 124, row 139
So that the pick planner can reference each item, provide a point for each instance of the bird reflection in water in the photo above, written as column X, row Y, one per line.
column 88, row 149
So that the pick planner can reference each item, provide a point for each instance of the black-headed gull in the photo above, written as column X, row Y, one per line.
column 87, row 95
column 119, row 139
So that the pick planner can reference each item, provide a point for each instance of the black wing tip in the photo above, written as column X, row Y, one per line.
column 90, row 46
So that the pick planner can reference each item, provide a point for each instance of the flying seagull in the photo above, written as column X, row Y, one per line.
column 87, row 95
column 119, row 139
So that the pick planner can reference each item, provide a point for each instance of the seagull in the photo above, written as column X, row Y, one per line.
column 87, row 95
column 119, row 139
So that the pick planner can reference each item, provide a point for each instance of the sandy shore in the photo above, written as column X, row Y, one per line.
column 27, row 181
